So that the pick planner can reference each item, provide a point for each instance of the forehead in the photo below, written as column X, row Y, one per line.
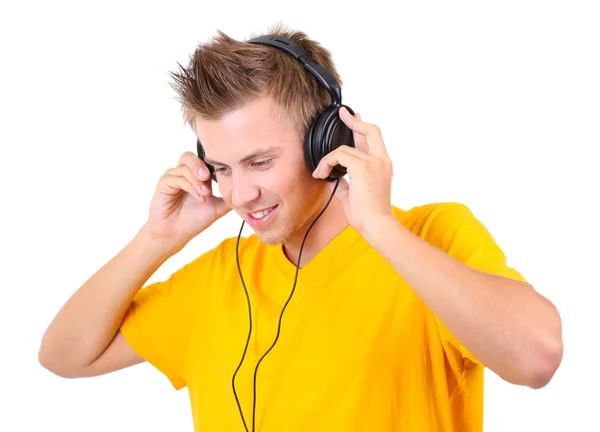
column 256, row 125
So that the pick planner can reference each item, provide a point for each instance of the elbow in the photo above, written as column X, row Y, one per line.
column 548, row 354
column 52, row 363
column 45, row 359
column 543, row 369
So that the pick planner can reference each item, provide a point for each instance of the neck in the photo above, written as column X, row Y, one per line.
column 330, row 224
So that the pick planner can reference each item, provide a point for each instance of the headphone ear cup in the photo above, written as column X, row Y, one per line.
column 202, row 155
column 309, row 156
column 326, row 133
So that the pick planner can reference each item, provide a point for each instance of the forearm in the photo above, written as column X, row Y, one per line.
column 88, row 321
column 504, row 323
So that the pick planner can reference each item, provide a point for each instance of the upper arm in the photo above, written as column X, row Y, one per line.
column 117, row 355
column 454, row 229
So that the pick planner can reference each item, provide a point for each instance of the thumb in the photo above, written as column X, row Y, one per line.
column 221, row 206
column 342, row 190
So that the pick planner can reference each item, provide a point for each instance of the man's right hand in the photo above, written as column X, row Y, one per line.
column 183, row 204
column 84, row 338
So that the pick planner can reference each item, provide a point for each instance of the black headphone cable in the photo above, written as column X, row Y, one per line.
column 280, row 316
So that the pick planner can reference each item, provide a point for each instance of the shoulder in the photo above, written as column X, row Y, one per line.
column 430, row 218
column 454, row 228
column 450, row 226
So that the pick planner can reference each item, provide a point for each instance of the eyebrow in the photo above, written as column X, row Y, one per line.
column 255, row 154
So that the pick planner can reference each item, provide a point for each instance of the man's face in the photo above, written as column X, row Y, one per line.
column 261, row 172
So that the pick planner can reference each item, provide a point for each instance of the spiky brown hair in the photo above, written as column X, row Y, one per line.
column 225, row 74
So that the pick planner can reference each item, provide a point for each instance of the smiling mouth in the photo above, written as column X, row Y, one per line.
column 262, row 213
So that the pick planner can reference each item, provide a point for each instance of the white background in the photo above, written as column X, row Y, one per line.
column 494, row 105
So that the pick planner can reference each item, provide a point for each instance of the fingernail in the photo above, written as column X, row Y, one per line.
column 202, row 172
column 204, row 188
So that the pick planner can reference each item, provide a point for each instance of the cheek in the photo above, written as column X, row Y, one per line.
column 294, row 185
column 281, row 180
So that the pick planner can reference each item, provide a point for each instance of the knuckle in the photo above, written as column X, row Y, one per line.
column 378, row 164
column 388, row 168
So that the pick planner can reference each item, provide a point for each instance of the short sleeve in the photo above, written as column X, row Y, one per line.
column 158, row 321
column 454, row 229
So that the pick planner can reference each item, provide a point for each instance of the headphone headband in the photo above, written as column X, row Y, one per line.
column 295, row 50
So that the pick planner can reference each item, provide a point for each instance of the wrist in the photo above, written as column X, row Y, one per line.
column 380, row 229
column 155, row 245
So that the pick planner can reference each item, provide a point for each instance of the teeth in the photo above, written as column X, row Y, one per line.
column 260, row 214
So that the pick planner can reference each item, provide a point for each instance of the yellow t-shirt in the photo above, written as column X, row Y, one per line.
column 357, row 351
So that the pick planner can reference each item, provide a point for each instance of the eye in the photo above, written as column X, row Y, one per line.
column 262, row 163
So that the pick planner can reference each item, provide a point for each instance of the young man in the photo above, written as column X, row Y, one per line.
column 380, row 319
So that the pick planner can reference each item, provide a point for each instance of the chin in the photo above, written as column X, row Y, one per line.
column 271, row 238
column 276, row 235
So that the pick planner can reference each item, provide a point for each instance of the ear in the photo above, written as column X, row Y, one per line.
column 342, row 190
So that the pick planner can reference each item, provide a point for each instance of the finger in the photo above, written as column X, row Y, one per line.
column 184, row 171
column 195, row 164
column 371, row 132
column 360, row 142
column 353, row 151
column 174, row 184
column 346, row 156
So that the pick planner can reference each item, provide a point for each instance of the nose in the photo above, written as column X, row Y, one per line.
column 243, row 190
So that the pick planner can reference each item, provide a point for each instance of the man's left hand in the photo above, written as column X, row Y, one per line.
column 366, row 195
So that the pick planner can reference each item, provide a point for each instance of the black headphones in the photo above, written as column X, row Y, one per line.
column 326, row 131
